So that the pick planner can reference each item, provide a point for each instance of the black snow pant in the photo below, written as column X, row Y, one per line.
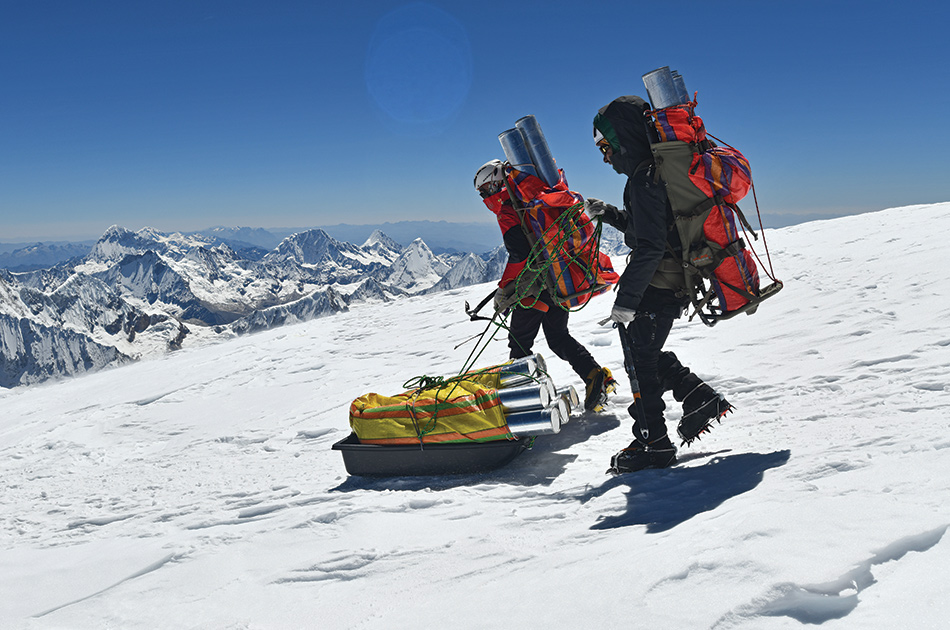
column 523, row 329
column 653, row 371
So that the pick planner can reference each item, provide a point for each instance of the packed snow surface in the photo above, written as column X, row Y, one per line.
column 200, row 490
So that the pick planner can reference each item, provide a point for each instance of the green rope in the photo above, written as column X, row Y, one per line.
column 538, row 262
column 419, row 383
column 423, row 382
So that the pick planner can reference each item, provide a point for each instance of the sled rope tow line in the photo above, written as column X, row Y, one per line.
column 538, row 262
column 501, row 324
column 420, row 383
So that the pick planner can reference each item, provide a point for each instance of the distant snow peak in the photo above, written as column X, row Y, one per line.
column 467, row 271
column 417, row 268
column 151, row 234
column 382, row 249
column 378, row 237
column 310, row 247
column 116, row 243
column 114, row 231
column 371, row 290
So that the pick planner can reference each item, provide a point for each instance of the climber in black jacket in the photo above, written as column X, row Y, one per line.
column 651, row 293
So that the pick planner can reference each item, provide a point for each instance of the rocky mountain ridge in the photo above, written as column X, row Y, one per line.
column 143, row 293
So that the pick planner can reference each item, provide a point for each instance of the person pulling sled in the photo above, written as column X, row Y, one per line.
column 523, row 292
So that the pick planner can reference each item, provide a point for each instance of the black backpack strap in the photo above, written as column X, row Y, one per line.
column 745, row 221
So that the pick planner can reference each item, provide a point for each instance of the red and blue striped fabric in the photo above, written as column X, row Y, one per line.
column 722, row 174
column 679, row 123
column 565, row 237
column 722, row 171
column 737, row 271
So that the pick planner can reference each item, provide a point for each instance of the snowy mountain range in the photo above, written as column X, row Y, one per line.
column 40, row 255
column 143, row 293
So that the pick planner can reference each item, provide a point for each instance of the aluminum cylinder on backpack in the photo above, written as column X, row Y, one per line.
column 538, row 149
column 680, row 84
column 516, row 151
column 660, row 88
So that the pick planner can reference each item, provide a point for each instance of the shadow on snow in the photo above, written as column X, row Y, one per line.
column 663, row 499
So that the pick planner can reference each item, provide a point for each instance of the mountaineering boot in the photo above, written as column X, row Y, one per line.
column 596, row 389
column 640, row 456
column 700, row 407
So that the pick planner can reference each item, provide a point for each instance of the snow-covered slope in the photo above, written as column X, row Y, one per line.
column 200, row 490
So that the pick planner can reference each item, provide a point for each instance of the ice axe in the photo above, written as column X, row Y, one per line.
column 473, row 313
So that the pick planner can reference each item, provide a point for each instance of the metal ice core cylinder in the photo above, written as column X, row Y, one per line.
column 516, row 151
column 538, row 149
column 660, row 88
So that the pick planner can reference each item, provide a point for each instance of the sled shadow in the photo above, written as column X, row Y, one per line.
column 663, row 499
column 529, row 471
column 577, row 431
column 538, row 466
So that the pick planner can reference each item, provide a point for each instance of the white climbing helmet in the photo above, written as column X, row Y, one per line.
column 492, row 172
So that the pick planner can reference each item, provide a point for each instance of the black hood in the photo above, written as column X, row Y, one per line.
column 623, row 123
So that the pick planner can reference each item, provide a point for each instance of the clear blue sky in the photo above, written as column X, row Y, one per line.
column 181, row 115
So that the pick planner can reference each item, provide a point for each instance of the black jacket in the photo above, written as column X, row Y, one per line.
column 646, row 219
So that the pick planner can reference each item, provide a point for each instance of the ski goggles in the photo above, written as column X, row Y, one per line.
column 602, row 143
column 488, row 189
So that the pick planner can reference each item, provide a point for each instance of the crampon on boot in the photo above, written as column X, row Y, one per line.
column 700, row 408
column 639, row 456
column 610, row 385
column 597, row 391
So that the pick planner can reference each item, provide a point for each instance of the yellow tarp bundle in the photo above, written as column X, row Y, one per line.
column 462, row 409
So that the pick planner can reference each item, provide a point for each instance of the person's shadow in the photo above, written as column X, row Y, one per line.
column 663, row 499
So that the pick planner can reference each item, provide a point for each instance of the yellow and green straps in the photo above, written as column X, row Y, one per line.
column 457, row 411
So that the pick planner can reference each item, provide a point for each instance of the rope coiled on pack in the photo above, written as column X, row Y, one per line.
column 539, row 261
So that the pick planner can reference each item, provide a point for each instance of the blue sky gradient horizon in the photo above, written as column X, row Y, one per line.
column 185, row 115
